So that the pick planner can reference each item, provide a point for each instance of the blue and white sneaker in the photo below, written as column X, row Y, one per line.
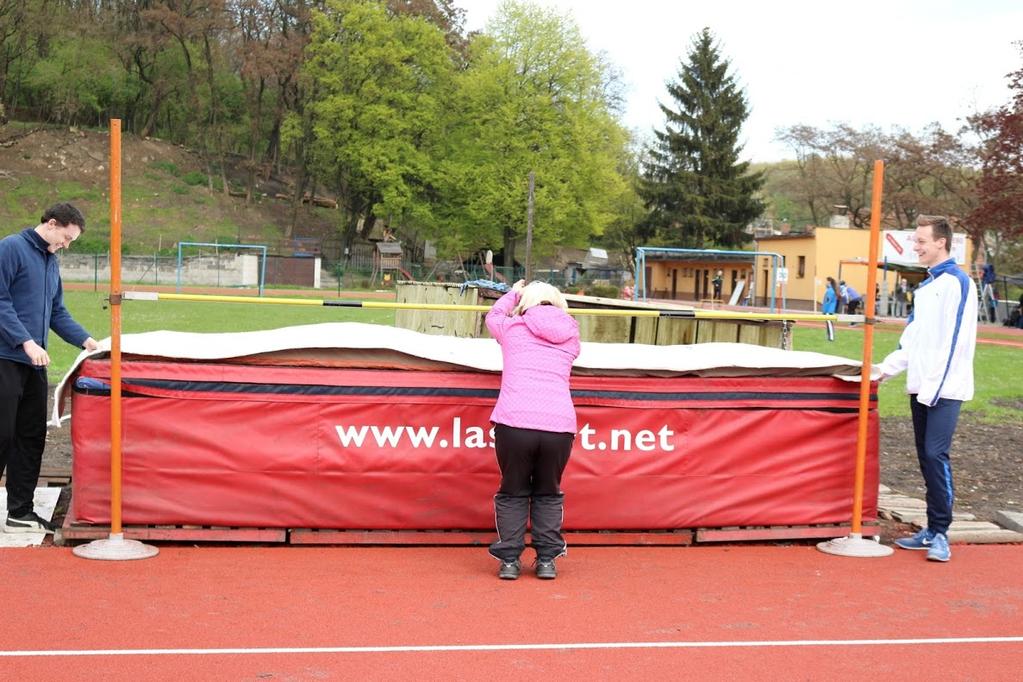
column 922, row 540
column 939, row 550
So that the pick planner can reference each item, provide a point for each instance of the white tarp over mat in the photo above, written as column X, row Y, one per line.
column 717, row 359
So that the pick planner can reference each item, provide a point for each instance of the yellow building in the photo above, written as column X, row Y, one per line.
column 669, row 275
column 840, row 252
column 803, row 262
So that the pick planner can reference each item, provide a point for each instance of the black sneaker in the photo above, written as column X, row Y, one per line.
column 29, row 523
column 545, row 569
column 509, row 570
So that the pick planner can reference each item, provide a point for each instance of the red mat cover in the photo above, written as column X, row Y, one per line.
column 226, row 444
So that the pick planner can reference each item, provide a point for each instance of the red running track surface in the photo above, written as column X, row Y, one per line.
column 735, row 612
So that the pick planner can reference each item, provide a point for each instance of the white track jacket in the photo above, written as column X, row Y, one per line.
column 936, row 348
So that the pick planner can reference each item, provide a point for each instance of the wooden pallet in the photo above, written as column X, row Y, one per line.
column 71, row 531
column 50, row 477
column 755, row 533
column 311, row 536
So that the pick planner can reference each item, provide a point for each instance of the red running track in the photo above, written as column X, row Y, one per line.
column 736, row 612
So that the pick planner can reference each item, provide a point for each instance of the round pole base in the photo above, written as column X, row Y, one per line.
column 854, row 545
column 115, row 548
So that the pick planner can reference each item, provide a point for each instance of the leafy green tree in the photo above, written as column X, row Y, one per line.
column 531, row 99
column 22, row 27
column 624, row 233
column 379, row 84
column 77, row 82
column 696, row 188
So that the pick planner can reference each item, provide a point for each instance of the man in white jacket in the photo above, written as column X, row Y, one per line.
column 936, row 350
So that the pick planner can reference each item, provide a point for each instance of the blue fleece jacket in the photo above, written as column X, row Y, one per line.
column 32, row 297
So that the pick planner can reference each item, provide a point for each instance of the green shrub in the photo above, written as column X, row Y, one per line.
column 602, row 290
column 167, row 167
column 194, row 178
column 92, row 242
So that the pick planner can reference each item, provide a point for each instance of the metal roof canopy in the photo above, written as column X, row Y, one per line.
column 717, row 257
column 714, row 254
column 885, row 265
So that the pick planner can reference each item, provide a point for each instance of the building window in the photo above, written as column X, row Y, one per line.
column 802, row 267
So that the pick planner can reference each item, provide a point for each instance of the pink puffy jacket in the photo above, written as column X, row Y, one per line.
column 538, row 349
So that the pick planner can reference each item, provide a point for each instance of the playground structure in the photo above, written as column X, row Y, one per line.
column 387, row 257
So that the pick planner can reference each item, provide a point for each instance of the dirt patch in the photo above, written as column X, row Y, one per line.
column 986, row 463
column 986, row 459
column 1010, row 403
column 82, row 155
column 45, row 164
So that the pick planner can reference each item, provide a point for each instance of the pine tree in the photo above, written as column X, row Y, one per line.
column 696, row 189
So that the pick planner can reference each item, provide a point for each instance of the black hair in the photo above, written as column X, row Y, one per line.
column 64, row 214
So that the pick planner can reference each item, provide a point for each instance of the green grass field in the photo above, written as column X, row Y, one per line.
column 999, row 369
column 998, row 372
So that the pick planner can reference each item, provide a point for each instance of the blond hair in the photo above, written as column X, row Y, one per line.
column 539, row 293
column 940, row 228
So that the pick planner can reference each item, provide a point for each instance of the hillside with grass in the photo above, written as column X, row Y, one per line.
column 165, row 194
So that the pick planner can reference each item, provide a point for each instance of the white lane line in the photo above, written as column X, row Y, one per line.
column 510, row 647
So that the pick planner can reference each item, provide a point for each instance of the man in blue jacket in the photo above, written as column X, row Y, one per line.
column 31, row 304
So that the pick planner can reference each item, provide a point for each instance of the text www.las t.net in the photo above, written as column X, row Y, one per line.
column 459, row 436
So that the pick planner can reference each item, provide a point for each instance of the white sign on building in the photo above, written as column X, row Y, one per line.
column 898, row 247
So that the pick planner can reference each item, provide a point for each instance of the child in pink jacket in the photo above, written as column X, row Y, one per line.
column 534, row 422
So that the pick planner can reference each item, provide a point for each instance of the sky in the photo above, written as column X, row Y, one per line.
column 900, row 63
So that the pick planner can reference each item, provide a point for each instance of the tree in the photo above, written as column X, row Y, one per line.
column 532, row 98
column 931, row 173
column 623, row 235
column 379, row 83
column 1000, row 190
column 22, row 26
column 695, row 187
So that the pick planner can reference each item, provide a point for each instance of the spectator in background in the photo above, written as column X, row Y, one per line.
column 901, row 298
column 829, row 306
column 852, row 299
column 987, row 292
column 717, row 282
column 992, row 306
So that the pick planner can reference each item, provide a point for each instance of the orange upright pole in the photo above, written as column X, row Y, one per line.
column 115, row 326
column 115, row 547
column 868, row 347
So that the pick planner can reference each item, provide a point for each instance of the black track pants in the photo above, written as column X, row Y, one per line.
column 531, row 466
column 23, row 391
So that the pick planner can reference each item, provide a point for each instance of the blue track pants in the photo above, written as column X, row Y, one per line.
column 933, row 428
